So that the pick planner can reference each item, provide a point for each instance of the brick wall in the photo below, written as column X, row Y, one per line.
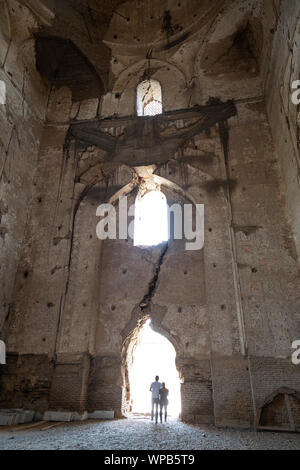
column 196, row 402
column 105, row 385
column 25, row 382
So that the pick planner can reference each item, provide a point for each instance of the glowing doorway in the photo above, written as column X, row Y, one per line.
column 153, row 355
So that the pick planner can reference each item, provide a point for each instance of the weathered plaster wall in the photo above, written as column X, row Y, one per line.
column 231, row 310
column 284, row 68
column 21, row 124
column 267, row 261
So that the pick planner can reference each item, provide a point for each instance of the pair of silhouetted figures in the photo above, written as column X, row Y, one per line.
column 159, row 399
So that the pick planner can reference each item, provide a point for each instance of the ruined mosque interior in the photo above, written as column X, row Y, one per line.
column 191, row 103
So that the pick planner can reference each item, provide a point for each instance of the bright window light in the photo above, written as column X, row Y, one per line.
column 151, row 219
column 149, row 98
column 154, row 355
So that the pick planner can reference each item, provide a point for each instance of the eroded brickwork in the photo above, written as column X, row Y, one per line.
column 72, row 306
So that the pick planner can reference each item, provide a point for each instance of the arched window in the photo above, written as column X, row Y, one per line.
column 151, row 219
column 149, row 98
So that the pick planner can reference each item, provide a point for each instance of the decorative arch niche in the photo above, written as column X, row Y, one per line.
column 280, row 411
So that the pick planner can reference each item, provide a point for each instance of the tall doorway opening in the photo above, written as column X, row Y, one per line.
column 151, row 355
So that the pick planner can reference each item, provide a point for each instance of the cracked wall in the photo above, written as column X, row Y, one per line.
column 21, row 124
column 231, row 310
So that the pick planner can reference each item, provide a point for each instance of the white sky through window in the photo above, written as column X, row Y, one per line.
column 151, row 219
column 149, row 98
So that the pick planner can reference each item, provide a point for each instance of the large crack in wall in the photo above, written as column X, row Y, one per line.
column 147, row 299
column 140, row 313
column 142, row 310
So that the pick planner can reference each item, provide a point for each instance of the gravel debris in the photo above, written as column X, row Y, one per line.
column 142, row 434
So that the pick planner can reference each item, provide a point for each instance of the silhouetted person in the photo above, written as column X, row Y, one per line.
column 163, row 401
column 155, row 388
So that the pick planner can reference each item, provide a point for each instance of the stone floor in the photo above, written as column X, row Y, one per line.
column 136, row 434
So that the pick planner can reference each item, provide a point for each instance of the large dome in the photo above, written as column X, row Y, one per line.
column 144, row 24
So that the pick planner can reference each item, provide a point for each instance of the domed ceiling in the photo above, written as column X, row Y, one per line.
column 138, row 25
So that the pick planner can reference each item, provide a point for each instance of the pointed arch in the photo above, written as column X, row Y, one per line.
column 149, row 98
